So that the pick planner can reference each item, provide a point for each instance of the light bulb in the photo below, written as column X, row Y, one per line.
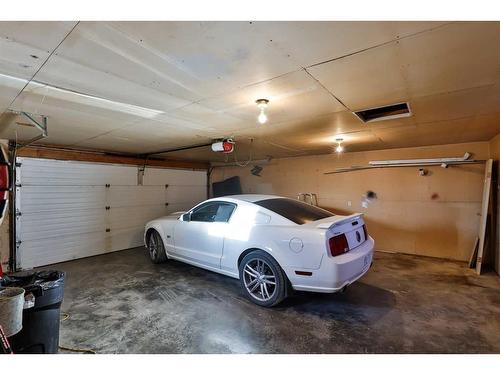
column 339, row 147
column 262, row 105
column 262, row 117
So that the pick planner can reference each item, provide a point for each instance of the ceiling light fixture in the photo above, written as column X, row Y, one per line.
column 262, row 105
column 339, row 147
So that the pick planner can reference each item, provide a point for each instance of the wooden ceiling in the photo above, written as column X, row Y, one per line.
column 139, row 87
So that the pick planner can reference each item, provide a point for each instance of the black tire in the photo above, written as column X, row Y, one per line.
column 270, row 271
column 156, row 248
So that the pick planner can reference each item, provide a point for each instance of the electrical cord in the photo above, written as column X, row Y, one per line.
column 86, row 351
column 64, row 317
column 249, row 157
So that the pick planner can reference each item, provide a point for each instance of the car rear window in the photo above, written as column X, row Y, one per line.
column 296, row 211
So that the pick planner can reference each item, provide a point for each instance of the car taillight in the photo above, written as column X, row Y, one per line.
column 365, row 231
column 338, row 245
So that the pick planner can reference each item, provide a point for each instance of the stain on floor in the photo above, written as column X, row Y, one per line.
column 122, row 303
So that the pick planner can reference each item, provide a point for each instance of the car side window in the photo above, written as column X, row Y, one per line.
column 205, row 212
column 224, row 212
column 213, row 212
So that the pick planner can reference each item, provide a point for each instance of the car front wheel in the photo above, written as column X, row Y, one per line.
column 156, row 248
column 262, row 279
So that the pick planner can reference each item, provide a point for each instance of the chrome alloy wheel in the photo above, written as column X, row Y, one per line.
column 259, row 279
column 153, row 246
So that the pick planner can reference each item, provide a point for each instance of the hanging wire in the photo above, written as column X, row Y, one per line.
column 244, row 164
column 37, row 110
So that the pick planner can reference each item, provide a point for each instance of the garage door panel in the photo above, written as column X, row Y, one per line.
column 174, row 177
column 46, row 172
column 60, row 198
column 68, row 212
column 124, row 239
column 128, row 196
column 64, row 223
column 55, row 250
column 128, row 217
column 179, row 207
column 186, row 194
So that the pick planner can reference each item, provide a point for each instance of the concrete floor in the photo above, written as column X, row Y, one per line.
column 122, row 303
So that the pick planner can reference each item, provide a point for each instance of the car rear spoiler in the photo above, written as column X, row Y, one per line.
column 339, row 220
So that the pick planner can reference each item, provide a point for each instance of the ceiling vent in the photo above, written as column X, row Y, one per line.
column 387, row 112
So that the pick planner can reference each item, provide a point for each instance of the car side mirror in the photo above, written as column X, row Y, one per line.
column 186, row 216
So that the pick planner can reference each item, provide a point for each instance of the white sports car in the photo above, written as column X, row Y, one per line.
column 269, row 243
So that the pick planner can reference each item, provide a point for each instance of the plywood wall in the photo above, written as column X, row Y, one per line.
column 436, row 215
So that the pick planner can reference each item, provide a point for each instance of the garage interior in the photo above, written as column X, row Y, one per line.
column 110, row 125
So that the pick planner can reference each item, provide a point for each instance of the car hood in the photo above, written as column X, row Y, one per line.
column 173, row 216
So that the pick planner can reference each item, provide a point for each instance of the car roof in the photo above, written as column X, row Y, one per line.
column 252, row 198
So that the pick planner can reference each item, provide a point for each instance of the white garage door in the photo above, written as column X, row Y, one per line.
column 68, row 210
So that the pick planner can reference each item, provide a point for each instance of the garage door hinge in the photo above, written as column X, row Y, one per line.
column 18, row 243
column 108, row 230
column 108, row 207
column 19, row 185
column 166, row 186
column 166, row 203
column 108, row 185
column 19, row 213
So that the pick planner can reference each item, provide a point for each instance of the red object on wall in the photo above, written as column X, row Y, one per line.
column 228, row 146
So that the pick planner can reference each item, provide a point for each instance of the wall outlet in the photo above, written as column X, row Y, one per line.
column 349, row 203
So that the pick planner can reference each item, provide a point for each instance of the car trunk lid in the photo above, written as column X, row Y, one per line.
column 351, row 226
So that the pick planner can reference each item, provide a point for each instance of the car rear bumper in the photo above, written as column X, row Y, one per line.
column 337, row 272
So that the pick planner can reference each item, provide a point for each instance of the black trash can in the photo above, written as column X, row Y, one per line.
column 40, row 333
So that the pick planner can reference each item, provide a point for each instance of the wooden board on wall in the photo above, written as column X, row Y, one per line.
column 473, row 255
column 74, row 155
column 484, row 214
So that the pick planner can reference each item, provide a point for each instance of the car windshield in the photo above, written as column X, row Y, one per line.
column 296, row 211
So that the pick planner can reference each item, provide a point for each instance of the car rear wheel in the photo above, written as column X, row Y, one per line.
column 262, row 279
column 156, row 248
